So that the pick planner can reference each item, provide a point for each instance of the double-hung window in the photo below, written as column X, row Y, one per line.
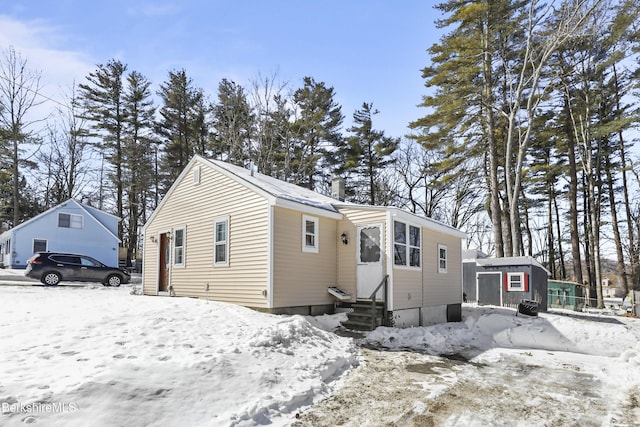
column 442, row 259
column 179, row 243
column 66, row 220
column 39, row 245
column 221, row 242
column 407, row 244
column 309, row 234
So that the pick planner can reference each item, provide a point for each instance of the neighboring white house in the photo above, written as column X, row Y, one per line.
column 69, row 227
column 229, row 234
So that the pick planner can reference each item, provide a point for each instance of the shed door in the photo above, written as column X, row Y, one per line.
column 489, row 288
column 369, row 268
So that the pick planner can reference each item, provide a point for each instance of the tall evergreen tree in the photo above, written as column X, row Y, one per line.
column 138, row 139
column 102, row 99
column 178, row 125
column 368, row 151
column 317, row 133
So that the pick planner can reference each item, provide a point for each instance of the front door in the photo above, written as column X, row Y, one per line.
column 369, row 259
column 163, row 263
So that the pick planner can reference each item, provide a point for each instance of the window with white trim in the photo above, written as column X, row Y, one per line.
column 179, row 243
column 39, row 245
column 442, row 259
column 221, row 242
column 515, row 282
column 407, row 244
column 309, row 234
column 66, row 220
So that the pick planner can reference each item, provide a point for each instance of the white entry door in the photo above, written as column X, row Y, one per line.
column 370, row 255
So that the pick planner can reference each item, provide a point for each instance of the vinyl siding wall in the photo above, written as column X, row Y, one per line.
column 441, row 288
column 195, row 207
column 427, row 287
column 302, row 278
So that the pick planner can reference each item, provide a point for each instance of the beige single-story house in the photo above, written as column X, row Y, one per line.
column 230, row 234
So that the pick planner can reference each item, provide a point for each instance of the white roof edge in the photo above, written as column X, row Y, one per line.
column 194, row 159
column 96, row 220
column 424, row 221
column 510, row 261
column 288, row 204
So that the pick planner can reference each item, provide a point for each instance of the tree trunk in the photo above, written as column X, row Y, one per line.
column 622, row 273
column 550, row 237
column 563, row 269
column 573, row 201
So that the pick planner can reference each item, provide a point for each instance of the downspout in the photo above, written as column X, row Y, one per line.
column 389, row 258
column 270, row 261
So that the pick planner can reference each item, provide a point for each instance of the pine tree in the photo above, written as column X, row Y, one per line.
column 178, row 126
column 102, row 99
column 368, row 152
column 317, row 133
column 138, row 139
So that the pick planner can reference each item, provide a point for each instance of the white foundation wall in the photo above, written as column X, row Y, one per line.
column 406, row 318
column 433, row 315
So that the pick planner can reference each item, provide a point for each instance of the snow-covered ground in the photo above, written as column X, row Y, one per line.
column 99, row 356
column 93, row 355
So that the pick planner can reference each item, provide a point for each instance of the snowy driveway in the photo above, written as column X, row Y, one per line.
column 563, row 369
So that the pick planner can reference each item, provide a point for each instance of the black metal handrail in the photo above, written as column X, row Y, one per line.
column 385, row 282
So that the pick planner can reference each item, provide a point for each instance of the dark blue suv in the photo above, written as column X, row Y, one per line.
column 52, row 267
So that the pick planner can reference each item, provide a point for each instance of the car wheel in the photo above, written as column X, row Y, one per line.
column 51, row 278
column 114, row 280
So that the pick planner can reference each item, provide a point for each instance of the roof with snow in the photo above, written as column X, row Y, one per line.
column 278, row 188
column 293, row 195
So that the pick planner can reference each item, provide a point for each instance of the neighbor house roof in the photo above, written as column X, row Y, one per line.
column 87, row 209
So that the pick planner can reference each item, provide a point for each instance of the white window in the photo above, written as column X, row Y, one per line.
column 39, row 245
column 196, row 175
column 221, row 242
column 442, row 259
column 7, row 246
column 309, row 234
column 179, row 243
column 407, row 244
column 515, row 282
column 69, row 220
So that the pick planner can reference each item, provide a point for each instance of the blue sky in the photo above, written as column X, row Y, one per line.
column 369, row 51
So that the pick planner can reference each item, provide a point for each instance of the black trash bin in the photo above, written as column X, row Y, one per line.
column 528, row 307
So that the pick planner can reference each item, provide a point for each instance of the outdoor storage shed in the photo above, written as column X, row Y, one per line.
column 504, row 281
